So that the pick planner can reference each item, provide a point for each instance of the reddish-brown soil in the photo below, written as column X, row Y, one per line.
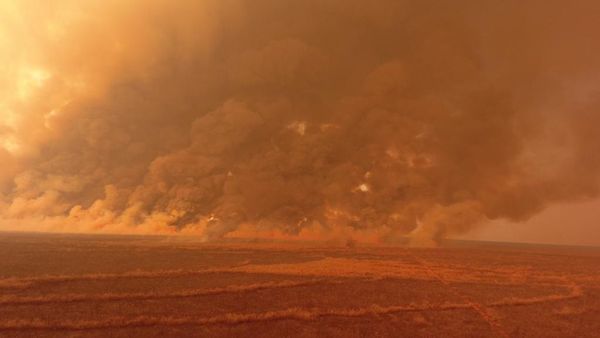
column 117, row 286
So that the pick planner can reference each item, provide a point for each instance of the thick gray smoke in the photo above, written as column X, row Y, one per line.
column 392, row 118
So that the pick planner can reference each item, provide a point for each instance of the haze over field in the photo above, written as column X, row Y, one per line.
column 317, row 119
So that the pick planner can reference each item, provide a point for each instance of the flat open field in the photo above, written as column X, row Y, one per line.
column 117, row 286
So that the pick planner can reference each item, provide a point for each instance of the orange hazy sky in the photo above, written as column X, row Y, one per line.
column 568, row 224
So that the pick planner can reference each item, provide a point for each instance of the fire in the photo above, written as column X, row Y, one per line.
column 211, row 116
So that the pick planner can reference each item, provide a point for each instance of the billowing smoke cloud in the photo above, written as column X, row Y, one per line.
column 385, row 119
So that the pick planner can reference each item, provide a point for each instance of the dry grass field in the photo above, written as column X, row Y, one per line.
column 117, row 286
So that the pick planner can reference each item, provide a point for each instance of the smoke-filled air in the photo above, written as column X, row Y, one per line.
column 326, row 119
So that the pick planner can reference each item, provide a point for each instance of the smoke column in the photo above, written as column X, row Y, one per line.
column 340, row 117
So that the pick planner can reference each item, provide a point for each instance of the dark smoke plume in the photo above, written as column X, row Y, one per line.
column 326, row 118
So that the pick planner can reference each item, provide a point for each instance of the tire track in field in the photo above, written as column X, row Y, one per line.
column 319, row 268
column 29, row 282
column 301, row 314
column 575, row 291
column 110, row 297
column 488, row 317
column 296, row 313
